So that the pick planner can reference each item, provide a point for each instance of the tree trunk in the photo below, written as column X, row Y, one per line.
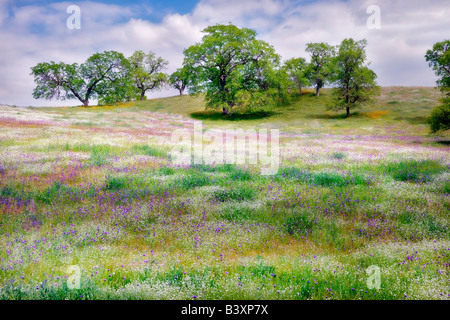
column 348, row 112
column 181, row 91
column 142, row 95
column 300, row 91
column 226, row 111
column 317, row 90
column 86, row 103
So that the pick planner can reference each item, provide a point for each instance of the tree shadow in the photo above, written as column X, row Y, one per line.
column 444, row 142
column 334, row 116
column 235, row 116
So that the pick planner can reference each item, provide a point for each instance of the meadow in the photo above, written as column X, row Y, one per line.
column 95, row 187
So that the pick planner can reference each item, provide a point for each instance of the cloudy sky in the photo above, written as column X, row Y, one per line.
column 36, row 31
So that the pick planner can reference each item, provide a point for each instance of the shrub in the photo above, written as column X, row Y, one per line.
column 440, row 117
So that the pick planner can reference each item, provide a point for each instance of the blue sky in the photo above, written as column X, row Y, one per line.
column 35, row 31
column 159, row 8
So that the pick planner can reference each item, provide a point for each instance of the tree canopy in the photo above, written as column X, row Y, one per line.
column 298, row 72
column 145, row 72
column 321, row 63
column 230, row 63
column 354, row 82
column 92, row 79
column 180, row 80
column 439, row 59
column 231, row 66
column 107, row 76
column 440, row 117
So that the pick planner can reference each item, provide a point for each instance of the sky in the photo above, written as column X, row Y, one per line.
column 36, row 31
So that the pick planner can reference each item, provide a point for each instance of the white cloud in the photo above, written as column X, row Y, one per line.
column 218, row 11
column 32, row 34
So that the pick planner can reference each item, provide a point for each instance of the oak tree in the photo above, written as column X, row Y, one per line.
column 354, row 82
column 321, row 63
column 228, row 63
column 92, row 79
column 146, row 73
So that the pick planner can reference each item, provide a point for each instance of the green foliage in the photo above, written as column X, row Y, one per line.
column 180, row 79
column 321, row 65
column 413, row 170
column 230, row 62
column 145, row 73
column 258, row 101
column 355, row 83
column 174, row 276
column 299, row 73
column 439, row 59
column 99, row 77
column 108, row 77
column 440, row 117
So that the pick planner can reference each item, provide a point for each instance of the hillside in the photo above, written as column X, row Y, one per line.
column 398, row 111
column 98, row 189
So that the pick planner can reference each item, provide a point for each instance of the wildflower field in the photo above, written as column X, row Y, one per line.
column 95, row 188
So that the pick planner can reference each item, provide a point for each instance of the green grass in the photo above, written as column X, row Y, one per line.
column 338, row 155
column 326, row 179
column 299, row 224
column 192, row 181
column 115, row 183
column 413, row 170
column 149, row 151
column 238, row 193
column 237, row 213
column 371, row 190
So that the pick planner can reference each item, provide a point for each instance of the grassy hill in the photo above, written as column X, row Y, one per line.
column 397, row 111
column 97, row 188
